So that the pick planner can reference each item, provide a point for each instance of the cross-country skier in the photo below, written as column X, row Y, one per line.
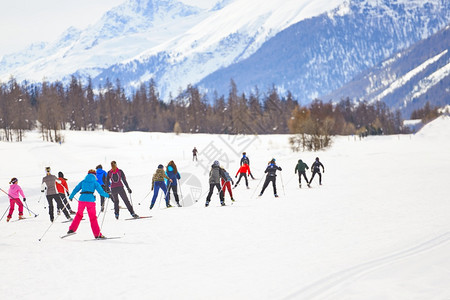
column 101, row 179
column 158, row 183
column 194, row 154
column 63, row 189
column 246, row 160
column 117, row 176
column 226, row 183
column 87, row 201
column 14, row 192
column 243, row 170
column 49, row 184
column 172, row 173
column 315, row 169
column 214, row 181
column 301, row 168
column 271, row 177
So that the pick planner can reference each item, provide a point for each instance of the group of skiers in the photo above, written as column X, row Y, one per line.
column 112, row 184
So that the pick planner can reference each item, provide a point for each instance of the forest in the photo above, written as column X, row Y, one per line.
column 52, row 106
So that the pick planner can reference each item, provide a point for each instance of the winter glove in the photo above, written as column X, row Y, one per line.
column 235, row 176
column 68, row 194
column 129, row 190
column 70, row 199
column 24, row 199
column 42, row 191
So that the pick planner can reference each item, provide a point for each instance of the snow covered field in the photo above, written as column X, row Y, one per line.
column 378, row 227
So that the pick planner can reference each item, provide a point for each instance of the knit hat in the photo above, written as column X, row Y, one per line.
column 13, row 180
column 91, row 171
column 216, row 163
column 160, row 166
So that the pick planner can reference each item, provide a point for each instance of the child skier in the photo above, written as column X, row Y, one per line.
column 243, row 170
column 117, row 176
column 315, row 169
column 63, row 189
column 214, row 181
column 301, row 168
column 101, row 179
column 87, row 200
column 172, row 173
column 49, row 184
column 246, row 160
column 158, row 183
column 271, row 177
column 14, row 192
column 226, row 183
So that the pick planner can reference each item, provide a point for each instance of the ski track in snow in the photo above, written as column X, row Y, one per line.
column 325, row 287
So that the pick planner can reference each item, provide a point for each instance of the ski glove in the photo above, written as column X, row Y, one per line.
column 42, row 191
column 70, row 199
column 24, row 199
column 68, row 194
column 129, row 190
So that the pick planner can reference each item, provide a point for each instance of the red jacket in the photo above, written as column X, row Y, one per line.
column 244, row 169
column 62, row 187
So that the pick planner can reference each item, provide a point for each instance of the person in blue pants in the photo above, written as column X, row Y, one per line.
column 158, row 183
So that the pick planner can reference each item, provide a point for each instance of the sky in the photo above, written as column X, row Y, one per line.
column 23, row 22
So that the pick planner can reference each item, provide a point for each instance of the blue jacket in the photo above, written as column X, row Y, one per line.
column 88, row 186
column 173, row 176
column 101, row 176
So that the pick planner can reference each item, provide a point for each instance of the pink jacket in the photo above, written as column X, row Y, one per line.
column 15, row 191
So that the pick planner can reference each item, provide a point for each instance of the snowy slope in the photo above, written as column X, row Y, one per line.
column 376, row 229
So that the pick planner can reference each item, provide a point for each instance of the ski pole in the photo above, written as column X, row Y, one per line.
column 25, row 202
column 139, row 203
column 131, row 200
column 5, row 212
column 282, row 184
column 104, row 213
column 165, row 195
column 49, row 227
column 40, row 197
column 256, row 187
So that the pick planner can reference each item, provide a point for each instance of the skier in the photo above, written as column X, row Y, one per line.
column 301, row 168
column 246, row 160
column 194, row 154
column 243, row 170
column 14, row 192
column 214, row 181
column 158, row 183
column 101, row 179
column 172, row 173
column 49, row 184
column 315, row 169
column 117, row 176
column 63, row 189
column 87, row 200
column 226, row 183
column 271, row 177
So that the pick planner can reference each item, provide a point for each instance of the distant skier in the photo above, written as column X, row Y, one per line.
column 87, row 201
column 226, row 183
column 101, row 179
column 172, row 173
column 271, row 177
column 246, row 160
column 301, row 168
column 315, row 169
column 14, row 193
column 49, row 184
column 243, row 170
column 158, row 183
column 63, row 189
column 214, row 181
column 194, row 154
column 117, row 176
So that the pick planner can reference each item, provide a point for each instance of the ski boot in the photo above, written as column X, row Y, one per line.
column 232, row 199
column 222, row 203
column 58, row 212
column 72, row 212
column 260, row 194
column 102, row 209
column 169, row 206
column 21, row 217
column 135, row 216
column 178, row 204
column 70, row 231
column 100, row 237
column 276, row 196
column 8, row 218
column 207, row 204
column 117, row 216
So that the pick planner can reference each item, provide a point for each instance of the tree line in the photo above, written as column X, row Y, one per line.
column 52, row 106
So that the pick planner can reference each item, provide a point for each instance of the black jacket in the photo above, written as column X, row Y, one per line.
column 271, row 170
column 315, row 167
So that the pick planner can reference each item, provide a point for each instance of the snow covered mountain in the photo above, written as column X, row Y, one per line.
column 408, row 79
column 320, row 54
column 310, row 47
